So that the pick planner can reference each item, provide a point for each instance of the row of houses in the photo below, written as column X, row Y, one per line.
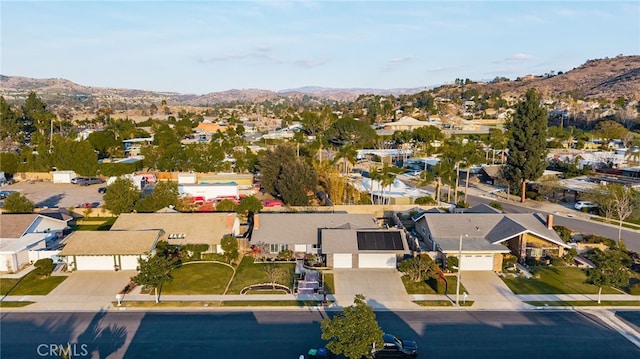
column 480, row 236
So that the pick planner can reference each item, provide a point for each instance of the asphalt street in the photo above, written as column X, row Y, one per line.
column 288, row 334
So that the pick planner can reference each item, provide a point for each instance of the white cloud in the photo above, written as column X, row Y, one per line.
column 519, row 57
column 398, row 61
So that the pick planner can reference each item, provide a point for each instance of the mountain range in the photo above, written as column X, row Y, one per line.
column 607, row 78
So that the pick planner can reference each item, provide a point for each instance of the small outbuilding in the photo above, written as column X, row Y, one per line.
column 63, row 176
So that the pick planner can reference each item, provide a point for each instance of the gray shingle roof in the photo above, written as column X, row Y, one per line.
column 302, row 228
column 485, row 231
column 345, row 241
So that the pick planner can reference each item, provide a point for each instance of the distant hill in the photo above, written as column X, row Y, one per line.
column 603, row 78
column 595, row 79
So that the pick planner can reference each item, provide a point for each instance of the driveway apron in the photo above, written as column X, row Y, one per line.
column 382, row 288
column 488, row 291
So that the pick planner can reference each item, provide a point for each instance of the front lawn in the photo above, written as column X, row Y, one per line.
column 423, row 288
column 198, row 278
column 14, row 304
column 30, row 284
column 328, row 283
column 555, row 280
column 248, row 273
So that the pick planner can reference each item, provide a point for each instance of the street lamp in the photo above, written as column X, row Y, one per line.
column 459, row 269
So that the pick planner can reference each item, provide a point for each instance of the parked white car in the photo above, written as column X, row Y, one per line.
column 580, row 205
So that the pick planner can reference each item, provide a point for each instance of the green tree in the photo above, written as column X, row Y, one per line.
column 18, row 203
column 610, row 269
column 248, row 205
column 226, row 205
column 610, row 130
column 153, row 272
column 230, row 247
column 418, row 268
column 355, row 332
column 104, row 142
column 287, row 176
column 9, row 162
column 527, row 139
column 121, row 196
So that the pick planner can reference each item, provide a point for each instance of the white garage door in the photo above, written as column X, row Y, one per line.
column 477, row 262
column 128, row 262
column 94, row 263
column 377, row 260
column 342, row 260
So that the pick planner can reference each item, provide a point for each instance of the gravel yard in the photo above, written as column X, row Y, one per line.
column 60, row 195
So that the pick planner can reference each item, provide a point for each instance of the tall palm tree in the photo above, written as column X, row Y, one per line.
column 374, row 175
column 455, row 151
column 473, row 157
column 389, row 174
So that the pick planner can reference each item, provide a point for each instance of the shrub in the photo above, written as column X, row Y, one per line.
column 44, row 267
column 558, row 262
column 563, row 232
column 452, row 264
column 532, row 195
column 438, row 284
column 285, row 255
column 425, row 200
column 634, row 289
column 496, row 205
column 462, row 204
column 508, row 261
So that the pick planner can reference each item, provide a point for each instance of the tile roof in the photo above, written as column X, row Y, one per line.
column 110, row 242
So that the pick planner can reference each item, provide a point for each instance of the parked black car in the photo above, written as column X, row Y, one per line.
column 102, row 190
column 395, row 347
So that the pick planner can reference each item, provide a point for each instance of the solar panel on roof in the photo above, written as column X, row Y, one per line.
column 379, row 240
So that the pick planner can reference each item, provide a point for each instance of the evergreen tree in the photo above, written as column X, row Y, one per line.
column 354, row 332
column 121, row 196
column 17, row 203
column 527, row 142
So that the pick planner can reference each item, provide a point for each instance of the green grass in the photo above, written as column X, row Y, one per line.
column 329, row 284
column 248, row 273
column 555, row 280
column 14, row 304
column 587, row 303
column 423, row 288
column 102, row 224
column 31, row 284
column 198, row 278
column 6, row 284
column 441, row 303
column 265, row 291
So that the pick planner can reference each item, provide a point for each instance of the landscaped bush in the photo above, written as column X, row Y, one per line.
column 532, row 195
column 438, row 284
column 44, row 267
column 600, row 239
column 563, row 232
column 558, row 262
column 634, row 289
column 425, row 200
column 496, row 205
column 462, row 204
column 452, row 264
column 508, row 261
column 285, row 255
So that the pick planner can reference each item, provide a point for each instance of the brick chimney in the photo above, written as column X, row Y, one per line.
column 550, row 221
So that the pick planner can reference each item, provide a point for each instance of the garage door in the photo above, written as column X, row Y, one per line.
column 477, row 262
column 377, row 260
column 94, row 263
column 128, row 262
column 342, row 260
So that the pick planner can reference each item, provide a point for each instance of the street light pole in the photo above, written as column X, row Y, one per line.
column 459, row 267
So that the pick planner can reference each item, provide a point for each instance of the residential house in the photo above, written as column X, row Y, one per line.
column 482, row 238
column 183, row 228
column 24, row 237
column 344, row 240
column 109, row 250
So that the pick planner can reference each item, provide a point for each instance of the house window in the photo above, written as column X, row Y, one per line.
column 277, row 248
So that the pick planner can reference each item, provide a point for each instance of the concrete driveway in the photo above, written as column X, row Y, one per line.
column 83, row 284
column 488, row 291
column 382, row 288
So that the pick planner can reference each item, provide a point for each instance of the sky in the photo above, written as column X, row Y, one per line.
column 197, row 47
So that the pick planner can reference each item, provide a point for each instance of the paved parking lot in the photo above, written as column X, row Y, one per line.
column 57, row 195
